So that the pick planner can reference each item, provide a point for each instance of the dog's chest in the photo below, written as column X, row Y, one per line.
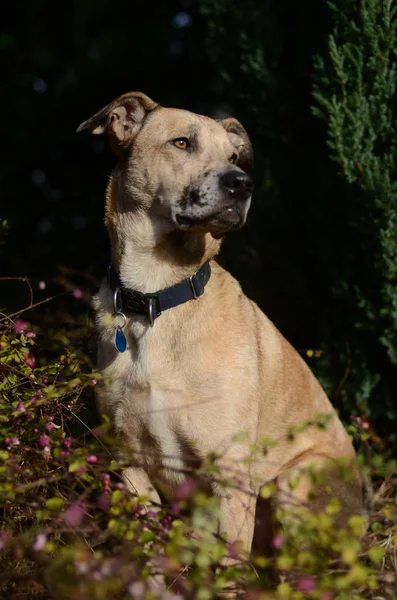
column 156, row 412
column 165, row 397
column 168, row 434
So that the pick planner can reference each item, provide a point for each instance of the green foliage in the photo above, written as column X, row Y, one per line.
column 356, row 94
column 71, row 527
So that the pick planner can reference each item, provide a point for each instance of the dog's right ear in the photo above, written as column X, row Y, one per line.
column 121, row 119
column 241, row 139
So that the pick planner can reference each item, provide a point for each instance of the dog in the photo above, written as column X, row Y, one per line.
column 188, row 361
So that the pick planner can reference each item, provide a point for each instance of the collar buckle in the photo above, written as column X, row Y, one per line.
column 191, row 281
column 196, row 286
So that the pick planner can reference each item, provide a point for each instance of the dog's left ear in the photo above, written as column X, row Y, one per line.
column 241, row 141
column 122, row 119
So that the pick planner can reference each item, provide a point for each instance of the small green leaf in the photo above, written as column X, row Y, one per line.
column 376, row 554
column 147, row 536
column 74, row 466
column 284, row 591
column 285, row 562
column 267, row 491
column 55, row 503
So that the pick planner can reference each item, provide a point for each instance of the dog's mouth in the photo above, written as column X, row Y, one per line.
column 227, row 214
column 189, row 221
column 227, row 218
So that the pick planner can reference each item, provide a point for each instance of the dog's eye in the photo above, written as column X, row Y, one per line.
column 233, row 158
column 181, row 143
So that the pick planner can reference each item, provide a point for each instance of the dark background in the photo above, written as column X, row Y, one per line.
column 302, row 254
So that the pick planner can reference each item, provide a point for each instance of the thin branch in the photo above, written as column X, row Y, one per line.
column 19, row 312
column 24, row 280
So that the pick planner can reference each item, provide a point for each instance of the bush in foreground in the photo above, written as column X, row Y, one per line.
column 71, row 530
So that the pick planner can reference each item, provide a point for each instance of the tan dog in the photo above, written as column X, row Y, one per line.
column 213, row 366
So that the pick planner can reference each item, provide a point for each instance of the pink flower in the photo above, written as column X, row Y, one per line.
column 105, row 479
column 44, row 441
column 21, row 407
column 93, row 381
column 326, row 596
column 306, row 584
column 151, row 514
column 49, row 426
column 74, row 515
column 42, row 285
column 278, row 541
column 12, row 441
column 30, row 361
column 361, row 422
column 185, row 489
column 77, row 293
column 39, row 542
column 19, row 325
column 92, row 459
column 166, row 522
column 67, row 442
column 30, row 334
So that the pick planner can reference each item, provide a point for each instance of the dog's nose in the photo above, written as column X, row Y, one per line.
column 238, row 184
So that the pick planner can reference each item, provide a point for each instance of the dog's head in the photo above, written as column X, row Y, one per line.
column 182, row 167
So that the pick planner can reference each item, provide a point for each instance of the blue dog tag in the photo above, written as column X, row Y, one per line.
column 120, row 341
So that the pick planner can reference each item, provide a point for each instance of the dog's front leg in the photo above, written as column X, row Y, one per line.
column 236, row 524
column 137, row 481
column 237, row 521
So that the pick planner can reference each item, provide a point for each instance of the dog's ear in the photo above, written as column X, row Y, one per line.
column 121, row 119
column 241, row 141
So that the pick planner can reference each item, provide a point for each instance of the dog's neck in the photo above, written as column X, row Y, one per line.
column 148, row 255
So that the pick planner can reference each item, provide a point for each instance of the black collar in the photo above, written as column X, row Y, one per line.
column 152, row 305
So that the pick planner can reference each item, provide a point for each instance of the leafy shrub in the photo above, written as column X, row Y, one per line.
column 355, row 93
column 71, row 530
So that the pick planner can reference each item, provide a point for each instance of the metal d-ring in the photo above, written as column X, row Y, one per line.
column 115, row 303
column 151, row 317
column 119, row 314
